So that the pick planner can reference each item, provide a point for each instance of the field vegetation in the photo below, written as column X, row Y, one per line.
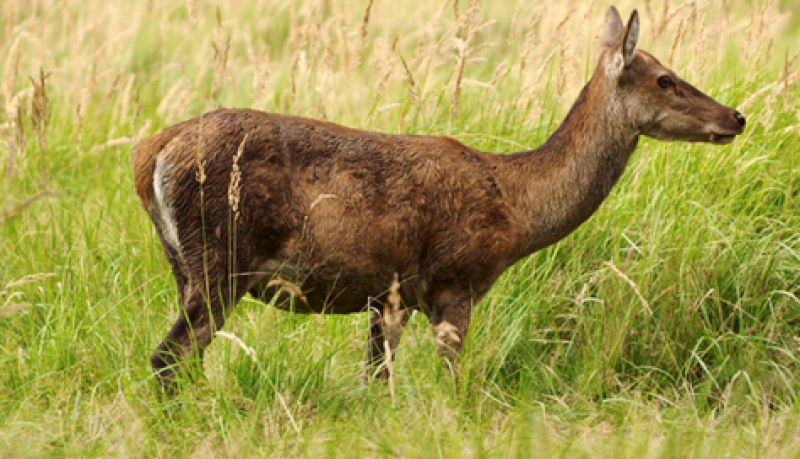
column 666, row 326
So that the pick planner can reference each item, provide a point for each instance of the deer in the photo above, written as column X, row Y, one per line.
column 320, row 218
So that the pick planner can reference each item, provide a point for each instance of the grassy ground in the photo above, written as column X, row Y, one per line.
column 664, row 327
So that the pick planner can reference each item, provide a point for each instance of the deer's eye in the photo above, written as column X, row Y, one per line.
column 665, row 81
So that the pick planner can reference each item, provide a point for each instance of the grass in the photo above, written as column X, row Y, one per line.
column 664, row 327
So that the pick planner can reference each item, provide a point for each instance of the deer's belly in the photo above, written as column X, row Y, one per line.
column 312, row 296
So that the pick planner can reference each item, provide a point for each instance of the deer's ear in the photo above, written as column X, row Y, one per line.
column 631, row 38
column 619, row 41
column 613, row 28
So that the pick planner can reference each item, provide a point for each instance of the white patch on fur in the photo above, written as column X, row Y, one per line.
column 162, row 191
column 393, row 318
column 446, row 334
column 393, row 322
column 614, row 65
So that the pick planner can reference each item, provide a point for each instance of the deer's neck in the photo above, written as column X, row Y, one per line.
column 563, row 182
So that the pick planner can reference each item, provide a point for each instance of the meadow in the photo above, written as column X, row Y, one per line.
column 666, row 326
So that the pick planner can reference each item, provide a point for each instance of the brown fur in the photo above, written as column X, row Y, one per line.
column 338, row 212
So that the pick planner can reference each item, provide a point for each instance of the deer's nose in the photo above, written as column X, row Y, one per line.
column 739, row 118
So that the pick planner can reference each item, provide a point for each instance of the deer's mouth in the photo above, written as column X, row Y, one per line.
column 721, row 139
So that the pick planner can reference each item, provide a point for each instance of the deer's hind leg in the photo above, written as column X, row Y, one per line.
column 179, row 271
column 208, row 291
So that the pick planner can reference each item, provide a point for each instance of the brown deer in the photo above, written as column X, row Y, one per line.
column 328, row 217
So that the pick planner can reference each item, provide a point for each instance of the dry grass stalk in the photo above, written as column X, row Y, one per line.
column 787, row 64
column 637, row 174
column 10, row 309
column 312, row 39
column 7, row 308
column 293, row 41
column 393, row 304
column 563, row 59
column 388, row 360
column 296, row 58
column 648, row 12
column 174, row 101
column 633, row 285
column 755, row 30
column 137, row 112
column 29, row 279
column 260, row 78
column 285, row 407
column 699, row 42
column 16, row 143
column 324, row 91
column 591, row 283
column 463, row 49
column 385, row 67
column 413, row 89
column 201, row 178
column 11, row 77
column 13, row 111
column 723, row 33
column 500, row 72
column 319, row 199
column 288, row 287
column 764, row 56
column 665, row 17
column 365, row 25
column 40, row 115
column 6, row 215
column 123, row 109
column 675, row 47
column 191, row 11
column 234, row 187
column 514, row 27
column 529, row 44
column 200, row 160
column 348, row 60
column 222, row 45
column 249, row 351
column 79, row 129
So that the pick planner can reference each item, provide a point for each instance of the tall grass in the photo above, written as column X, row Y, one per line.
column 664, row 327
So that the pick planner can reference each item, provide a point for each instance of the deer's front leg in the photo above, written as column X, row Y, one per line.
column 450, row 317
column 385, row 329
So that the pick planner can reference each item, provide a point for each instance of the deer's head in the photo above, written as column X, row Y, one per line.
column 652, row 97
